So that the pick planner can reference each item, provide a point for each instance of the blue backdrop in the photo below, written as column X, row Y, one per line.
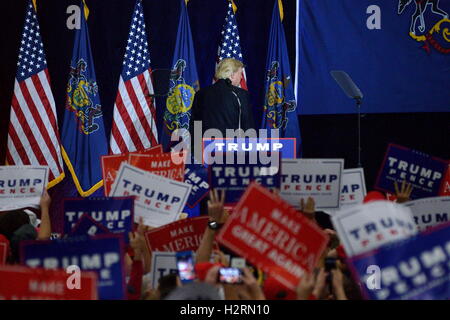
column 393, row 69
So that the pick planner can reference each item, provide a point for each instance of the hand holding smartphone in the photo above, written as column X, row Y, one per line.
column 230, row 276
column 185, row 266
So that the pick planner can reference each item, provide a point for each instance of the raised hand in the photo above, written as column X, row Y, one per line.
column 215, row 206
column 404, row 194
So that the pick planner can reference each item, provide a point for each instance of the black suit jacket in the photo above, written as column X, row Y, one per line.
column 217, row 107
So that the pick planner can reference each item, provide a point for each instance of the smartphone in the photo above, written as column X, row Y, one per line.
column 185, row 266
column 330, row 263
column 230, row 276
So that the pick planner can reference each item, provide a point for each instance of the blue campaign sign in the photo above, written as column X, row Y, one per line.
column 236, row 177
column 87, row 226
column 103, row 254
column 287, row 147
column 115, row 213
column 397, row 52
column 416, row 268
column 197, row 176
column 423, row 171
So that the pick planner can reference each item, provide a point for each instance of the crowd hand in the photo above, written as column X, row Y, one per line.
column 337, row 281
column 334, row 241
column 250, row 290
column 219, row 257
column 212, row 275
column 306, row 286
column 320, row 285
column 308, row 208
column 45, row 200
column 216, row 206
column 136, row 244
column 405, row 192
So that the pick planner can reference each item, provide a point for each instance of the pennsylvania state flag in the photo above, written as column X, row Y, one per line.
column 83, row 134
column 183, row 81
column 279, row 99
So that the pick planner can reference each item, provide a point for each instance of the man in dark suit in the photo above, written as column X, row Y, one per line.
column 224, row 105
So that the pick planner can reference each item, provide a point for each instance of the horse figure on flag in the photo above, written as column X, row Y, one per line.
column 421, row 7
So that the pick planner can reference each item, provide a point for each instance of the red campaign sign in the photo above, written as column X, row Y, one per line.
column 161, row 165
column 111, row 164
column 445, row 187
column 181, row 235
column 22, row 283
column 158, row 149
column 3, row 252
column 272, row 235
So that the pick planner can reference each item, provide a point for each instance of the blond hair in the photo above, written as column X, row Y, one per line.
column 227, row 67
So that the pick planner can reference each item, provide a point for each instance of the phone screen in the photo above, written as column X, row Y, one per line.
column 185, row 266
column 230, row 275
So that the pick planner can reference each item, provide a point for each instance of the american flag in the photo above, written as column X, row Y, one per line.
column 33, row 137
column 230, row 46
column 134, row 126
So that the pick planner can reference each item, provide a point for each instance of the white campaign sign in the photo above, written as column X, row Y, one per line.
column 21, row 186
column 317, row 178
column 429, row 212
column 365, row 227
column 353, row 188
column 163, row 263
column 158, row 200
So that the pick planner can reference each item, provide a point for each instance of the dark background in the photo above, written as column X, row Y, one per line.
column 324, row 136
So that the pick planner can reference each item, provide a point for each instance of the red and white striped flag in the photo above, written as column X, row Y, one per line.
column 134, row 126
column 33, row 137
column 230, row 46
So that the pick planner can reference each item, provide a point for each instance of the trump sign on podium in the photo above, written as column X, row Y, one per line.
column 21, row 186
column 424, row 172
column 272, row 235
column 235, row 177
column 317, row 178
column 412, row 269
column 103, row 254
column 158, row 200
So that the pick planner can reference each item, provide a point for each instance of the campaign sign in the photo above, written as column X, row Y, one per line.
column 116, row 214
column 423, row 171
column 285, row 146
column 158, row 201
column 22, row 283
column 429, row 212
column 21, row 186
column 235, row 177
column 413, row 269
column 161, row 165
column 86, row 225
column 272, row 235
column 3, row 252
column 353, row 188
column 163, row 263
column 103, row 254
column 197, row 176
column 445, row 186
column 181, row 235
column 317, row 178
column 368, row 226
column 111, row 164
